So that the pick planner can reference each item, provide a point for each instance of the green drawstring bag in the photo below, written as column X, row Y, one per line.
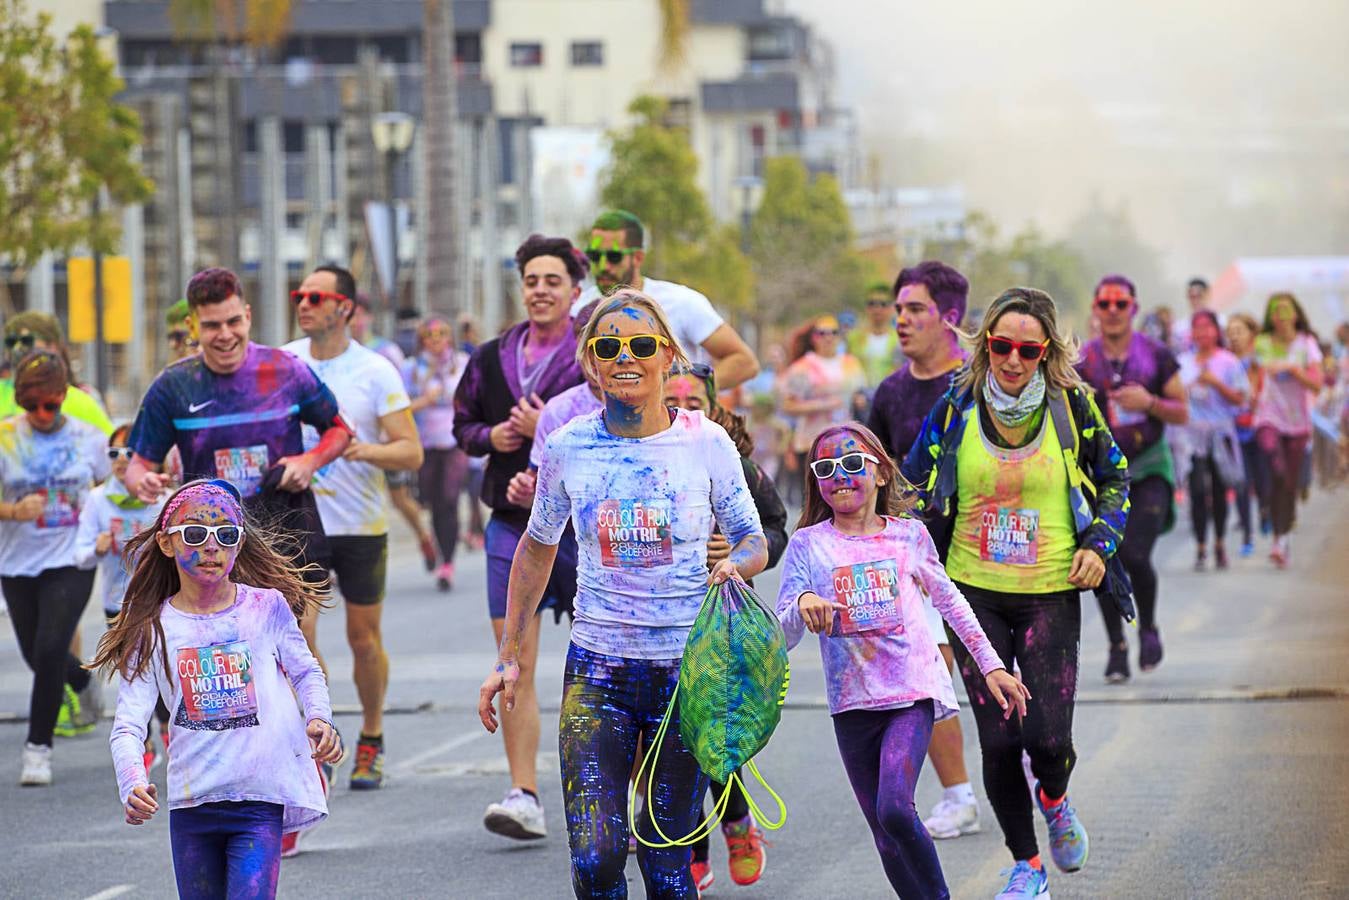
column 732, row 684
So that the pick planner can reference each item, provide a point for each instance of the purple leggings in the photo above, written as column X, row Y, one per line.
column 229, row 850
column 883, row 753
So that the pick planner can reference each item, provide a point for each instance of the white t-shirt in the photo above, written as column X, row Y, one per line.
column 122, row 515
column 351, row 496
column 691, row 316
column 642, row 509
column 235, row 730
column 63, row 465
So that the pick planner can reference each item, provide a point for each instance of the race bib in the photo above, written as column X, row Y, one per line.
column 1010, row 536
column 122, row 530
column 1120, row 417
column 218, row 689
column 242, row 467
column 62, row 509
column 635, row 534
column 871, row 593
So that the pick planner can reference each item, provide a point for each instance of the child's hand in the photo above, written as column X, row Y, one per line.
column 818, row 612
column 141, row 804
column 103, row 543
column 1008, row 690
column 325, row 740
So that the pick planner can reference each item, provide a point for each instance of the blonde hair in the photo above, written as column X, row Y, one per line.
column 1063, row 347
column 620, row 298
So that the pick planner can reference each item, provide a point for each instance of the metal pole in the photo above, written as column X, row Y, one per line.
column 390, row 163
column 100, row 352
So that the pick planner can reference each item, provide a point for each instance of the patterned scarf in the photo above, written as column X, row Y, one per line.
column 1015, row 411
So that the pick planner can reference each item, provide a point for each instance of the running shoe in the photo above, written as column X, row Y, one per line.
column 1025, row 882
column 1068, row 842
column 290, row 845
column 951, row 819
column 1247, row 550
column 1220, row 557
column 519, row 815
column 445, row 577
column 1117, row 666
column 150, row 757
column 37, row 766
column 1278, row 554
column 428, row 552
column 1149, row 649
column 745, row 843
column 368, row 773
column 1200, row 560
column 66, row 718
column 701, row 870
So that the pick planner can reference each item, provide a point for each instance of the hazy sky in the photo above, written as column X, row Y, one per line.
column 1195, row 114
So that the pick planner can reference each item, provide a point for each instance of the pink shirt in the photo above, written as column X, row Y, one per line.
column 881, row 654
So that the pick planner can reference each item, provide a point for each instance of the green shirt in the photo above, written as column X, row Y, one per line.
column 78, row 405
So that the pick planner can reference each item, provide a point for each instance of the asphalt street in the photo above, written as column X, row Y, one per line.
column 1222, row 774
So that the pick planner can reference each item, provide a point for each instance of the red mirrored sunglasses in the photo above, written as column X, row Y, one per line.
column 1027, row 350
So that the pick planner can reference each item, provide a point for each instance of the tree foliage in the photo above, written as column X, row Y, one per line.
column 258, row 23
column 653, row 174
column 801, row 244
column 62, row 137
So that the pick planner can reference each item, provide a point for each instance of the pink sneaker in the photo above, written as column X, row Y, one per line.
column 445, row 576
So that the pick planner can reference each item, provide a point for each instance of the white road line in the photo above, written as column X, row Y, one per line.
column 116, row 891
column 412, row 762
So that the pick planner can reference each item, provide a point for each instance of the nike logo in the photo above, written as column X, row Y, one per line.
column 194, row 407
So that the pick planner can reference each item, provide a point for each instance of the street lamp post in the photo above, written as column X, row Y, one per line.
column 392, row 133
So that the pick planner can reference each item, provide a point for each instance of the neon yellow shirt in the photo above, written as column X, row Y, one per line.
column 1014, row 527
column 78, row 405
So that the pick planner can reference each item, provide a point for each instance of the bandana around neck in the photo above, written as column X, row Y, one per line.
column 1014, row 411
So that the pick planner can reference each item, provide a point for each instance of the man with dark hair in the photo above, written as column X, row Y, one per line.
column 875, row 344
column 496, row 411
column 350, row 490
column 929, row 303
column 1199, row 298
column 616, row 255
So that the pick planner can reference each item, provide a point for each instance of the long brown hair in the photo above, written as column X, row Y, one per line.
column 129, row 645
column 1063, row 347
column 894, row 498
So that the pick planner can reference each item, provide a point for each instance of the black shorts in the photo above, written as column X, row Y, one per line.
column 360, row 563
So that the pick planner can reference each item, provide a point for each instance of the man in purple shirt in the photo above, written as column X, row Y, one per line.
column 929, row 304
column 496, row 409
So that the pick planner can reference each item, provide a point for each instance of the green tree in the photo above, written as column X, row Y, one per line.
column 653, row 173
column 801, row 245
column 62, row 138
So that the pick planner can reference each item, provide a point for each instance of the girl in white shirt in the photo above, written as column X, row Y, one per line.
column 209, row 624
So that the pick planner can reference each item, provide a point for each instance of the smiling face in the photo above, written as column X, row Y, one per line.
column 123, row 460
column 631, row 381
column 1204, row 333
column 611, row 275
column 846, row 493
column 208, row 564
column 224, row 330
column 330, row 314
column 1012, row 372
column 548, row 289
column 1240, row 337
column 685, row 392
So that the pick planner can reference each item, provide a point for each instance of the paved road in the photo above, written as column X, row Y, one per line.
column 1220, row 775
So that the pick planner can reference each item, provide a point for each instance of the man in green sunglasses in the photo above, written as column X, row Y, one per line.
column 616, row 255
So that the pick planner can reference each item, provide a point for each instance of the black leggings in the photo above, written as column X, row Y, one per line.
column 736, row 809
column 1040, row 633
column 45, row 610
column 1149, row 508
column 440, row 483
column 1208, row 499
column 1253, row 488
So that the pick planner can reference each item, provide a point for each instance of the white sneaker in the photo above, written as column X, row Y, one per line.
column 518, row 816
column 951, row 819
column 37, row 766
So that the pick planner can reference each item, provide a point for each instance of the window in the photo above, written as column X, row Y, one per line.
column 526, row 55
column 587, row 53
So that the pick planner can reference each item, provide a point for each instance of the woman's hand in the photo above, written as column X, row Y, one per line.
column 724, row 570
column 325, row 740
column 29, row 508
column 1008, row 690
column 502, row 681
column 817, row 612
column 141, row 804
column 1087, row 570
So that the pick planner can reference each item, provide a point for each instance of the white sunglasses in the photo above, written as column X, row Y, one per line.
column 852, row 463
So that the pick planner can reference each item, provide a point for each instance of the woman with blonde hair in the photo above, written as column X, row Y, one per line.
column 641, row 483
column 1005, row 465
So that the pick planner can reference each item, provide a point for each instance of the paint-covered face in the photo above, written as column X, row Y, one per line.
column 1204, row 333
column 919, row 323
column 122, row 461
column 43, row 410
column 630, row 381
column 846, row 492
column 224, row 334
column 610, row 275
column 1011, row 371
column 1239, row 337
column 1114, row 309
column 548, row 289
column 685, row 392
column 209, row 563
column 1283, row 313
column 330, row 314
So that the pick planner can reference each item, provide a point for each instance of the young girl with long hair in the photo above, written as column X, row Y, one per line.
column 210, row 624
column 855, row 573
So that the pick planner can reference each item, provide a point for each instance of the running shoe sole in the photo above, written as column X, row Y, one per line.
column 959, row 832
column 507, row 826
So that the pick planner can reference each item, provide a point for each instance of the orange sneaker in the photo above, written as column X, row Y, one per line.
column 746, row 845
column 702, row 875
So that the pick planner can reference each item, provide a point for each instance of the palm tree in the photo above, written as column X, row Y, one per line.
column 674, row 31
column 439, row 120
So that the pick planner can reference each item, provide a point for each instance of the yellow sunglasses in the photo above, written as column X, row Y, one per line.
column 638, row 346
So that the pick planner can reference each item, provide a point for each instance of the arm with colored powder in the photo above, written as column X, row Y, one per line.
column 306, row 677
column 1109, row 472
column 135, row 704
column 799, row 608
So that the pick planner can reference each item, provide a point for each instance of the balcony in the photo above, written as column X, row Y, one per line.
column 726, row 12
column 149, row 19
column 768, row 93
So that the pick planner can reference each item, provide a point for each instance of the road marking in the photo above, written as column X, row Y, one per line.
column 412, row 762
column 111, row 892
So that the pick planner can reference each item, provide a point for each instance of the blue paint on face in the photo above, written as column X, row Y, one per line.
column 620, row 414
